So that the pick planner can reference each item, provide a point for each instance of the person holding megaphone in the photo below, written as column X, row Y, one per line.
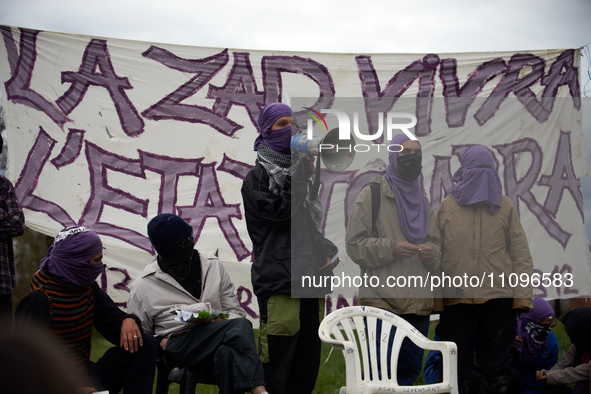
column 282, row 218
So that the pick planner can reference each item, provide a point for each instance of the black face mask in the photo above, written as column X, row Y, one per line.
column 178, row 269
column 180, row 253
column 409, row 166
column 541, row 335
column 177, row 260
column 538, row 333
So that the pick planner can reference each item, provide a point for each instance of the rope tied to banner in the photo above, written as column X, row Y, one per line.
column 587, row 54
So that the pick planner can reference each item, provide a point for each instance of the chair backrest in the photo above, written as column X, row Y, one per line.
column 355, row 330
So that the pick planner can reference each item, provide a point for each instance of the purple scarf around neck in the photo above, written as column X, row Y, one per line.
column 69, row 256
column 413, row 211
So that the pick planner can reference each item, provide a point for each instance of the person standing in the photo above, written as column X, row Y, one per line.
column 13, row 225
column 282, row 220
column 403, row 242
column 482, row 236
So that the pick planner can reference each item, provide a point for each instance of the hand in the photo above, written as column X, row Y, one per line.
column 131, row 336
column 518, row 341
column 304, row 168
column 86, row 390
column 311, row 159
column 405, row 249
column 163, row 343
column 330, row 266
column 542, row 376
column 426, row 253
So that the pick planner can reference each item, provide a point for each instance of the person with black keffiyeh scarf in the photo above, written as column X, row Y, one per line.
column 282, row 220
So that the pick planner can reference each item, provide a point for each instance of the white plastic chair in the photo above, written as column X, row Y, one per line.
column 349, row 329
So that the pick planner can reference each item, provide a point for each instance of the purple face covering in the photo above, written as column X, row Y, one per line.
column 477, row 179
column 413, row 211
column 69, row 256
column 276, row 139
column 527, row 325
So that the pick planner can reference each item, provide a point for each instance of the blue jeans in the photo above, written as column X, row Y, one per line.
column 410, row 359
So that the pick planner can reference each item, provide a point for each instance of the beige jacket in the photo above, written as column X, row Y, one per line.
column 376, row 256
column 566, row 372
column 488, row 252
column 155, row 292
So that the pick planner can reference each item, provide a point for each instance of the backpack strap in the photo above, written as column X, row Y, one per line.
column 376, row 196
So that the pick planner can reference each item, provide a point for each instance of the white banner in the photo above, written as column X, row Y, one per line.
column 108, row 133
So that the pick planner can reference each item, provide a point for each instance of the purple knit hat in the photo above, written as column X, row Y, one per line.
column 69, row 256
column 477, row 180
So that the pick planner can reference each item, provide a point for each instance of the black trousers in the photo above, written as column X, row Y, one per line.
column 6, row 307
column 131, row 372
column 486, row 331
column 293, row 357
column 226, row 347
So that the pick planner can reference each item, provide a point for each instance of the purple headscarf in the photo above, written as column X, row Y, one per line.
column 529, row 349
column 276, row 139
column 413, row 211
column 477, row 179
column 69, row 256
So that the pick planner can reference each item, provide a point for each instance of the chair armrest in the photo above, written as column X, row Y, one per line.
column 338, row 344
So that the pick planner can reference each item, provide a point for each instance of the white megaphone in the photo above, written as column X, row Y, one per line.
column 335, row 154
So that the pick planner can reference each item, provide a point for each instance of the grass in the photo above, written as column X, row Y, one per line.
column 331, row 376
column 330, row 379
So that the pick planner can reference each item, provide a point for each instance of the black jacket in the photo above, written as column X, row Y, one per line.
column 37, row 309
column 282, row 231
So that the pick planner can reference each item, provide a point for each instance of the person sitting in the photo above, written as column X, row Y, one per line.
column 536, row 346
column 65, row 298
column 184, row 279
column 576, row 364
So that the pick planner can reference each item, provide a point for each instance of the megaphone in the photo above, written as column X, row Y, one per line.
column 336, row 154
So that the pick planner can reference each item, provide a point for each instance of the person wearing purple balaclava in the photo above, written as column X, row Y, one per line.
column 483, row 244
column 402, row 243
column 282, row 219
column 66, row 300
column 536, row 346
